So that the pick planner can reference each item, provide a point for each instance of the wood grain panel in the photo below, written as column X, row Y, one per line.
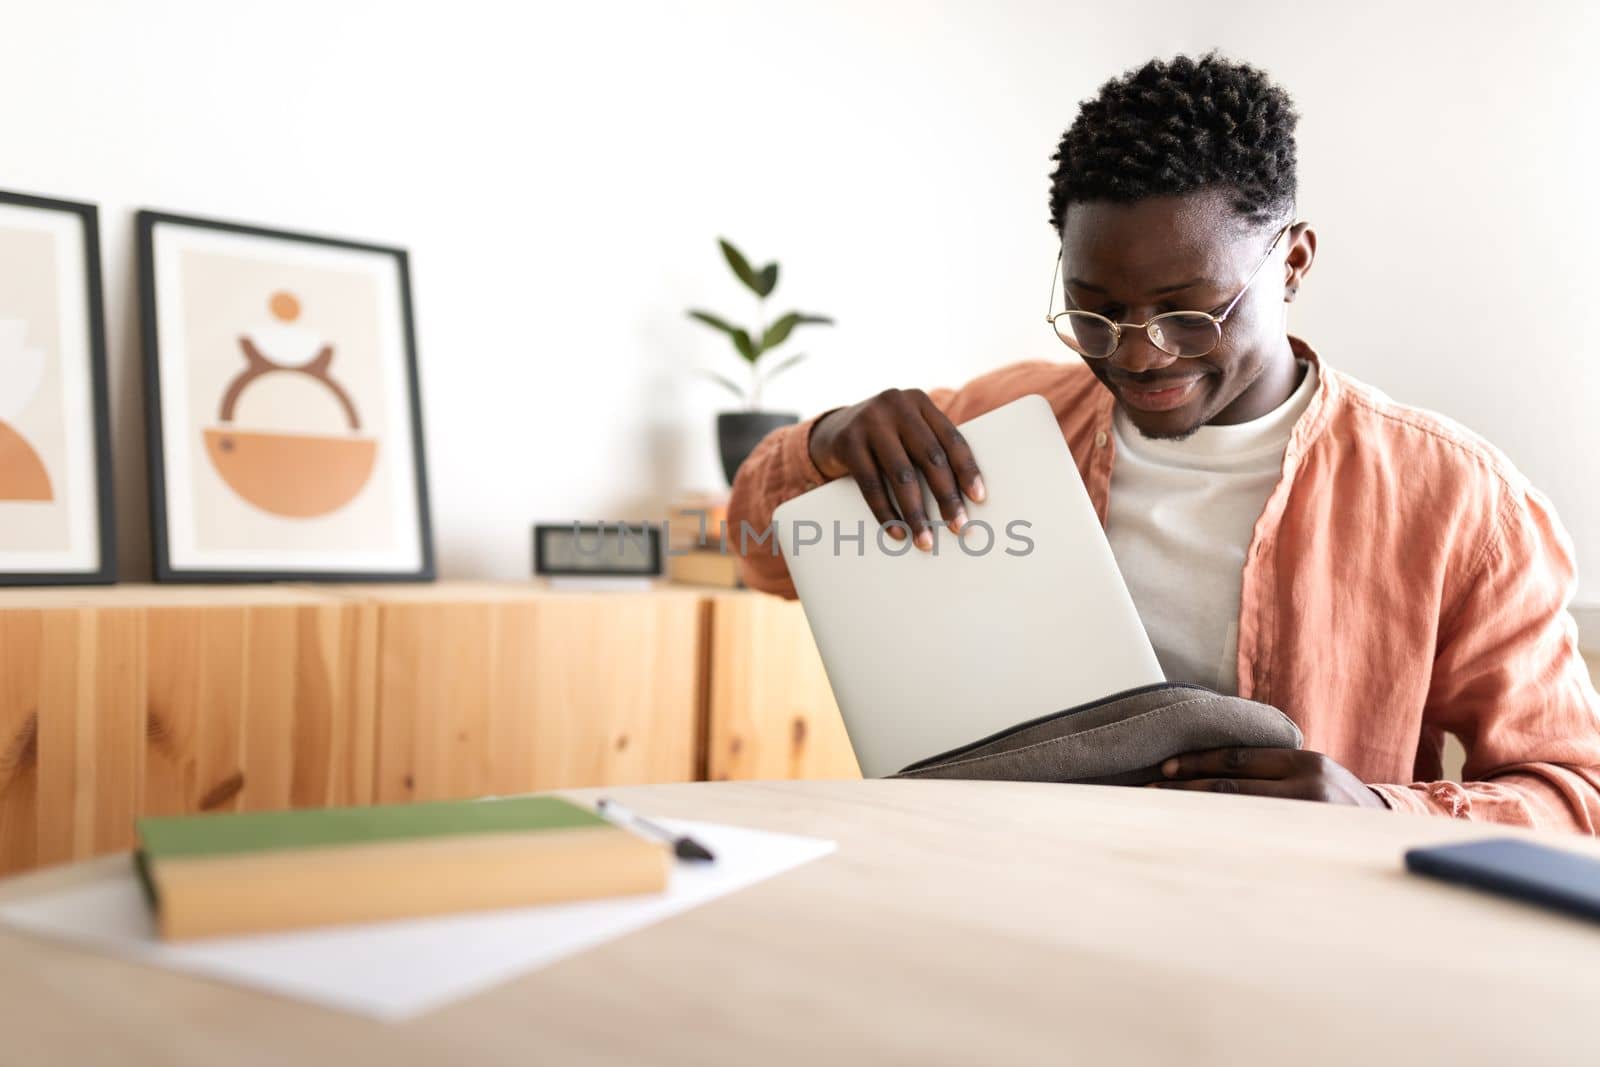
column 160, row 700
column 771, row 710
column 71, row 733
column 130, row 701
column 120, row 744
column 627, row 685
column 505, row 689
column 267, row 754
column 336, row 705
column 65, row 782
column 173, row 667
column 21, row 643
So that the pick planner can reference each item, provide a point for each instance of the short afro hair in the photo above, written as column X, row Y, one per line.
column 1174, row 127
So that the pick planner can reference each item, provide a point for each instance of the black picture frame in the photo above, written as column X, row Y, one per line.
column 543, row 533
column 164, row 568
column 105, row 573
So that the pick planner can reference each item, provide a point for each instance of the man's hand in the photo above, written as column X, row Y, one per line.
column 1267, row 772
column 890, row 444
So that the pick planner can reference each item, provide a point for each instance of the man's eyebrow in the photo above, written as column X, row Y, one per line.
column 1190, row 284
column 1159, row 290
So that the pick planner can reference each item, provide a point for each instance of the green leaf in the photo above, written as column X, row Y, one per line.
column 741, row 338
column 783, row 365
column 767, row 279
column 741, row 266
column 779, row 331
column 713, row 321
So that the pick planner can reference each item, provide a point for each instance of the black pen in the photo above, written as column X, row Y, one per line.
column 683, row 846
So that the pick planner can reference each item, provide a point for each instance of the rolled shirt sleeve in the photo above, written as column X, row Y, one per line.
column 779, row 469
column 1509, row 681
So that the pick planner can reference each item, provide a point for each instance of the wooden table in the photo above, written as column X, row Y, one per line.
column 959, row 922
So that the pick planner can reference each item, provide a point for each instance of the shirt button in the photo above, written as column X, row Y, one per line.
column 1100, row 439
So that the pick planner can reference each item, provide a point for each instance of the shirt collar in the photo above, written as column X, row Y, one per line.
column 1324, row 400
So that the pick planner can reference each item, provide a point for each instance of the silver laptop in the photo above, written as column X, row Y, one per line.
column 1023, row 615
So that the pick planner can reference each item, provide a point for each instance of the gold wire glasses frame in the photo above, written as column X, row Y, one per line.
column 1185, row 334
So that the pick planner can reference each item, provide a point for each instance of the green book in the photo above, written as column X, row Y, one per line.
column 254, row 871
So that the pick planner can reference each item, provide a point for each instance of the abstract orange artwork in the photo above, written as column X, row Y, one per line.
column 55, row 465
column 22, row 472
column 298, row 475
column 284, row 377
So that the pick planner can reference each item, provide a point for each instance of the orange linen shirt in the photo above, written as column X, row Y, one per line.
column 1403, row 581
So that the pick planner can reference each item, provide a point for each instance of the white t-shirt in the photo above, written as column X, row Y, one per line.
column 1180, row 519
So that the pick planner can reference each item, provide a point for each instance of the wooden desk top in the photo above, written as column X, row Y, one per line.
column 959, row 922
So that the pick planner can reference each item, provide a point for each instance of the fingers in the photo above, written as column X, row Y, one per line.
column 958, row 455
column 1267, row 772
column 863, row 467
column 891, row 444
column 1235, row 763
column 1255, row 787
column 904, row 485
column 928, row 453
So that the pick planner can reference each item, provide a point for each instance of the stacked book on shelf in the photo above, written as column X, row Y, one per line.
column 701, row 550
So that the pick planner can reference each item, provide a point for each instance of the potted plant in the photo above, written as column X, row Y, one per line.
column 738, row 432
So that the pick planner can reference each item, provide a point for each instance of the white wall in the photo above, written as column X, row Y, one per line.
column 560, row 171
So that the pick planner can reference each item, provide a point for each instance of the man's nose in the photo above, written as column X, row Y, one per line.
column 1137, row 354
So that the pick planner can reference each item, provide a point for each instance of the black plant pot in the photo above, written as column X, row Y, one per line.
column 738, row 433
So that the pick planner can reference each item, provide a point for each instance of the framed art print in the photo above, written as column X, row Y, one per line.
column 285, row 427
column 55, row 452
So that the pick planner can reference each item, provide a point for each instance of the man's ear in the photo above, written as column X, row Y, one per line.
column 1297, row 264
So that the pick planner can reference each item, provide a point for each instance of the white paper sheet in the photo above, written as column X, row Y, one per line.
column 398, row 969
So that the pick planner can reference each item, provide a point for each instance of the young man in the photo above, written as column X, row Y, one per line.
column 1289, row 534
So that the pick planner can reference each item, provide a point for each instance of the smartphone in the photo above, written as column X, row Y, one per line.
column 1538, row 874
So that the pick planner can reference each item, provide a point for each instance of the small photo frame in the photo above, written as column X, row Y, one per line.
column 56, row 524
column 284, row 420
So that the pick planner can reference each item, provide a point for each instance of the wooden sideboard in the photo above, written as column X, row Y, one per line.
column 771, row 711
column 487, row 688
column 132, row 700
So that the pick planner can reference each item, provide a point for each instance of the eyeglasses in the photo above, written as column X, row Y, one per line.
column 1186, row 334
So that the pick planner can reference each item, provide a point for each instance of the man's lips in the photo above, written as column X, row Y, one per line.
column 1158, row 394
